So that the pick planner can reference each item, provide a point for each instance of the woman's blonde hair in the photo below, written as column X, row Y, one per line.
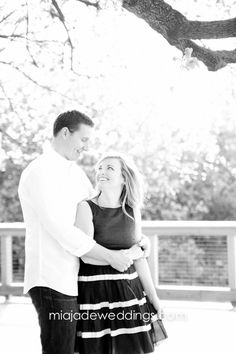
column 132, row 192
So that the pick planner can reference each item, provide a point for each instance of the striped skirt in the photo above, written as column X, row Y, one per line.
column 115, row 316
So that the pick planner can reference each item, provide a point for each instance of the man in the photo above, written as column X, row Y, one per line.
column 50, row 188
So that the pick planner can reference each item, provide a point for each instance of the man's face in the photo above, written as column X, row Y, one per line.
column 77, row 142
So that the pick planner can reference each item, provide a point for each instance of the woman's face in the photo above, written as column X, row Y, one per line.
column 109, row 175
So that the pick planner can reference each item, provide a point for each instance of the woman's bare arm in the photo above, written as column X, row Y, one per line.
column 143, row 270
column 84, row 221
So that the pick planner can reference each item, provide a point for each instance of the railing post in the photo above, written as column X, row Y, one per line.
column 153, row 260
column 6, row 260
column 231, row 244
column 232, row 261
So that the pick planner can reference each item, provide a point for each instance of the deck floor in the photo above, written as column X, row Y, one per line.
column 193, row 328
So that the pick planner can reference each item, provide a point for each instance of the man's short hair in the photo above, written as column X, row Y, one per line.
column 71, row 120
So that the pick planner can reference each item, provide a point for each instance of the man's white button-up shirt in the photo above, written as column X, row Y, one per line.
column 50, row 189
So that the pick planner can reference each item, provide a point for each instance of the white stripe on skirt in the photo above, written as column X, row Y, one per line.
column 108, row 277
column 113, row 305
column 115, row 332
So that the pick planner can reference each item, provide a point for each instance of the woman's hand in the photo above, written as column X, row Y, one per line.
column 145, row 244
column 156, row 303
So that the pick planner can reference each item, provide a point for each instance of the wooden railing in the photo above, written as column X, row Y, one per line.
column 153, row 229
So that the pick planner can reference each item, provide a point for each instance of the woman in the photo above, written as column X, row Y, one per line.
column 118, row 311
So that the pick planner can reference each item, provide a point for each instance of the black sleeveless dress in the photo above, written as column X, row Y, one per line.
column 115, row 316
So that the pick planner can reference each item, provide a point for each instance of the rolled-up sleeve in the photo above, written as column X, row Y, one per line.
column 40, row 191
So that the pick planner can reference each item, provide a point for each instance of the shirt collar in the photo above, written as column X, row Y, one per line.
column 58, row 158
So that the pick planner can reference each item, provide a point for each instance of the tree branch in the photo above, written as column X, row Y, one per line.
column 6, row 17
column 205, row 29
column 178, row 31
column 6, row 36
column 90, row 3
column 27, row 36
column 11, row 106
column 62, row 19
column 9, row 137
column 8, row 98
column 34, row 81
column 214, row 60
column 20, row 36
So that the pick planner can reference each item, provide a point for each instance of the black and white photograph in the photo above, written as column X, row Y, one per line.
column 117, row 176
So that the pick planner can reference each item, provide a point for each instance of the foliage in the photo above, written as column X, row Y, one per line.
column 193, row 260
column 148, row 106
column 10, row 209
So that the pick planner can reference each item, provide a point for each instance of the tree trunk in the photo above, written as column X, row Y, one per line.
column 178, row 31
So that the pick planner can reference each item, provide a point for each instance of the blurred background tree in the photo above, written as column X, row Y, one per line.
column 147, row 99
column 176, row 121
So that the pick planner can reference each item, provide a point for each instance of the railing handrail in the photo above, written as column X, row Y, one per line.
column 193, row 227
column 172, row 227
column 153, row 229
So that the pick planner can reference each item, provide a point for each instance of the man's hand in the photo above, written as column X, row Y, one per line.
column 134, row 252
column 145, row 244
column 120, row 260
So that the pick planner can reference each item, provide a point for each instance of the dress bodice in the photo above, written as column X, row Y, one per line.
column 113, row 229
